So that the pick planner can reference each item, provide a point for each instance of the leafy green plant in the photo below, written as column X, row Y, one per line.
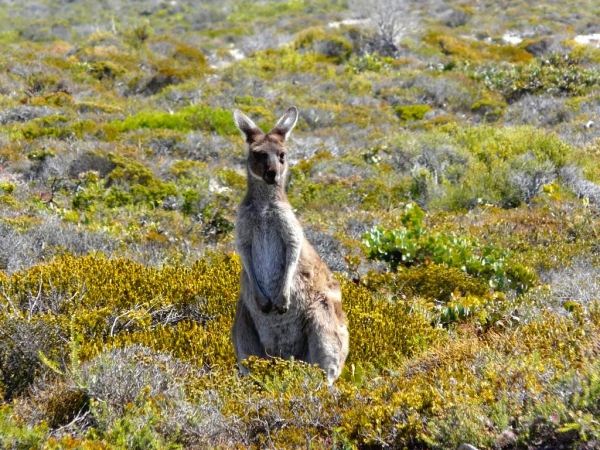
column 415, row 245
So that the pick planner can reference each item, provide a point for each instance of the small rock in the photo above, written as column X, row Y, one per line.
column 434, row 113
column 91, row 161
column 456, row 18
column 513, row 39
column 539, row 47
column 155, row 83
column 506, row 439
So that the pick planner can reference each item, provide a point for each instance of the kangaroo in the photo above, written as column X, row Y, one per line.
column 289, row 305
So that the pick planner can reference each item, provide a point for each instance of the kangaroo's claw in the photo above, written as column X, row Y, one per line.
column 265, row 304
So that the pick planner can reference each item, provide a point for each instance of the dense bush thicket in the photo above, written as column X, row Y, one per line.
column 447, row 169
column 111, row 351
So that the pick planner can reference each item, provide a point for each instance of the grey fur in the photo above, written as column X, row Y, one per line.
column 289, row 304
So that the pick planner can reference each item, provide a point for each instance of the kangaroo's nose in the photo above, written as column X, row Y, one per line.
column 271, row 176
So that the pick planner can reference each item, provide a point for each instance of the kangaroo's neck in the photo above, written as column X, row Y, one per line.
column 261, row 192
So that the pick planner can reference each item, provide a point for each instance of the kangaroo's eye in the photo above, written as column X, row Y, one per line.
column 282, row 157
column 260, row 156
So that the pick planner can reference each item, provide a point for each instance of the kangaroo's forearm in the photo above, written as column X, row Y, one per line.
column 292, row 256
column 254, row 281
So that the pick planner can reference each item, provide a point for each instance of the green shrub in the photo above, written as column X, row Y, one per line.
column 457, row 47
column 248, row 11
column 500, row 166
column 111, row 298
column 51, row 127
column 7, row 187
column 556, row 74
column 415, row 245
column 7, row 190
column 189, row 118
column 490, row 109
column 17, row 434
column 267, row 63
column 102, row 70
column 411, row 112
column 385, row 332
column 370, row 62
column 334, row 49
column 433, row 282
column 492, row 145
column 128, row 183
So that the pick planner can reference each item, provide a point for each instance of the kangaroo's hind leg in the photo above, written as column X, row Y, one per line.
column 246, row 341
column 327, row 336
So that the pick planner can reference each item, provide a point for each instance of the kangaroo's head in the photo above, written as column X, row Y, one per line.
column 267, row 158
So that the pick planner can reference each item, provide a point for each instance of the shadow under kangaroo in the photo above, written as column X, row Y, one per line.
column 290, row 305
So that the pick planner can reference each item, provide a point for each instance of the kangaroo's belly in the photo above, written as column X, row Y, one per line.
column 268, row 259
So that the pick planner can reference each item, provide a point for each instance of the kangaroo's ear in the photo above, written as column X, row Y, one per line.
column 286, row 124
column 248, row 128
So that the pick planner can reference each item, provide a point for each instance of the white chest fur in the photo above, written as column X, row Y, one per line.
column 268, row 255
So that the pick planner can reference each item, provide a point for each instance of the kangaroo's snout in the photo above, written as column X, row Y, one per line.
column 271, row 176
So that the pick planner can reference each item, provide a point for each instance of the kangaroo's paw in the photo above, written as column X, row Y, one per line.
column 264, row 303
column 282, row 303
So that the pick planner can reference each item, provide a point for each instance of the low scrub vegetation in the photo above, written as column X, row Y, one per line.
column 448, row 175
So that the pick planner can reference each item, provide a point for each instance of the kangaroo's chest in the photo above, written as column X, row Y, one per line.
column 268, row 254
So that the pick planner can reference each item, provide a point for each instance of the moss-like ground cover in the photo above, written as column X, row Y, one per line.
column 449, row 176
